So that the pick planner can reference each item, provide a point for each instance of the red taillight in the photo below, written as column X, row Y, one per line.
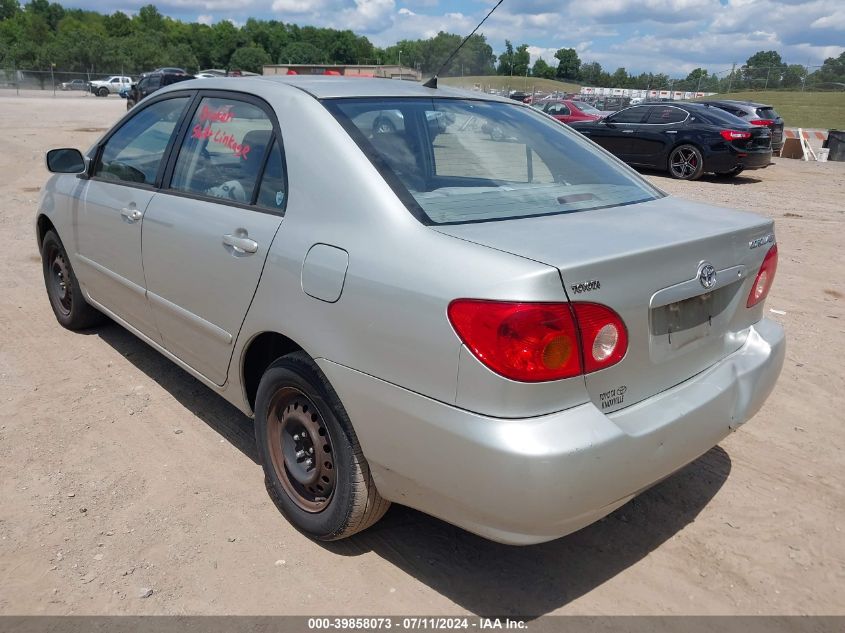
column 734, row 135
column 536, row 342
column 763, row 280
column 766, row 122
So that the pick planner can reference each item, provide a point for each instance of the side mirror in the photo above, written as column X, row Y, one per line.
column 65, row 161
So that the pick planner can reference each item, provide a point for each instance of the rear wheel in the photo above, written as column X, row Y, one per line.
column 69, row 306
column 736, row 171
column 314, row 469
column 686, row 163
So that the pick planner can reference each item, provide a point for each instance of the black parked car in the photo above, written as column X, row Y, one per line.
column 687, row 139
column 150, row 82
column 755, row 114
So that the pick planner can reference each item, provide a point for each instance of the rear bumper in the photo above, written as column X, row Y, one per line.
column 727, row 161
column 524, row 481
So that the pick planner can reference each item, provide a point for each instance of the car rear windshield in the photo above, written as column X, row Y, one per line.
column 586, row 107
column 767, row 113
column 455, row 161
column 717, row 116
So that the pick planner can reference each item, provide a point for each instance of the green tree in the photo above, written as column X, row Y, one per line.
column 619, row 79
column 8, row 9
column 300, row 53
column 542, row 69
column 591, row 73
column 249, row 58
column 506, row 60
column 569, row 65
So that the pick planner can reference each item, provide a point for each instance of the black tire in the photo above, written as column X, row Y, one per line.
column 103, row 92
column 736, row 171
column 686, row 162
column 383, row 125
column 297, row 417
column 66, row 299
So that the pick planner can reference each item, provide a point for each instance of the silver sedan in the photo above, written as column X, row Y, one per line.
column 517, row 337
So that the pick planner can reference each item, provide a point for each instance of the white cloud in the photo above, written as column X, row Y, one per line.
column 205, row 19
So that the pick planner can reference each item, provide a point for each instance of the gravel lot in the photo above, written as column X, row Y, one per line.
column 127, row 487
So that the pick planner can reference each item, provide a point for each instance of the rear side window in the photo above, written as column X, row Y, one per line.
column 133, row 154
column 273, row 190
column 665, row 115
column 223, row 151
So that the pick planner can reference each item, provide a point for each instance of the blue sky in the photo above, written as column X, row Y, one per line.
column 671, row 36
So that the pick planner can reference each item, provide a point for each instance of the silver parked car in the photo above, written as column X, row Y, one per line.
column 517, row 337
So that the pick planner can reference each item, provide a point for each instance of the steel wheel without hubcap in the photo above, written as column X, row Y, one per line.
column 301, row 450
column 685, row 163
column 60, row 281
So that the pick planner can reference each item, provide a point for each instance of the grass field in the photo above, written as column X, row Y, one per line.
column 506, row 82
column 801, row 109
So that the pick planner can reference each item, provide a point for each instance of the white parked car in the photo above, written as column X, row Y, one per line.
column 112, row 85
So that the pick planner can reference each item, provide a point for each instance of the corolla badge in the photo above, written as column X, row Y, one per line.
column 707, row 274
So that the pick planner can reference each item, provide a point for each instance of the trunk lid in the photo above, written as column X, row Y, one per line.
column 644, row 261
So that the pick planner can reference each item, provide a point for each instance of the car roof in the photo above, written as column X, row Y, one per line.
column 736, row 102
column 332, row 87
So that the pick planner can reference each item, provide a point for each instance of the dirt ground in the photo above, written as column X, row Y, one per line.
column 120, row 474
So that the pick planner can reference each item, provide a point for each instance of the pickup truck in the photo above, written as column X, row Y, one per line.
column 112, row 85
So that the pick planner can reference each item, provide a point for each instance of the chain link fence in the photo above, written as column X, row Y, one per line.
column 53, row 81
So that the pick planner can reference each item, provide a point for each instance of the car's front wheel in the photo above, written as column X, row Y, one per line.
column 69, row 306
column 686, row 163
column 103, row 92
column 314, row 468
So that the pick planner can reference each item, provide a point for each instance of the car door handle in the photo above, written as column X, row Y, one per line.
column 240, row 244
column 131, row 215
column 627, row 131
column 671, row 131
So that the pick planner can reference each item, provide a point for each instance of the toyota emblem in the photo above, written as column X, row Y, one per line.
column 707, row 275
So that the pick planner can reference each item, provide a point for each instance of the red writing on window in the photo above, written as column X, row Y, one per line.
column 220, row 137
column 223, row 115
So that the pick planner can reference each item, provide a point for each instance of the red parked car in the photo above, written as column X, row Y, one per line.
column 568, row 110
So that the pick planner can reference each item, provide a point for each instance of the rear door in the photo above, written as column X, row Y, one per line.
column 127, row 169
column 207, row 235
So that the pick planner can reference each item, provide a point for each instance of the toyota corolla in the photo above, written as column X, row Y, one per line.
column 517, row 337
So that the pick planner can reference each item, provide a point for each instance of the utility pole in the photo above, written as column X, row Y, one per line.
column 731, row 78
column 766, row 85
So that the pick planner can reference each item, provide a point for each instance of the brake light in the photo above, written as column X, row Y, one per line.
column 764, row 279
column 734, row 135
column 766, row 122
column 537, row 342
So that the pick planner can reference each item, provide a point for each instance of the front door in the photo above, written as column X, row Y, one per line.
column 653, row 139
column 110, row 218
column 206, row 236
column 614, row 133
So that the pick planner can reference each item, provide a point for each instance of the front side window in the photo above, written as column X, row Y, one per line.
column 223, row 151
column 586, row 108
column 456, row 161
column 133, row 154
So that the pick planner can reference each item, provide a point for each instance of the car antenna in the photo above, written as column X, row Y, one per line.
column 432, row 83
